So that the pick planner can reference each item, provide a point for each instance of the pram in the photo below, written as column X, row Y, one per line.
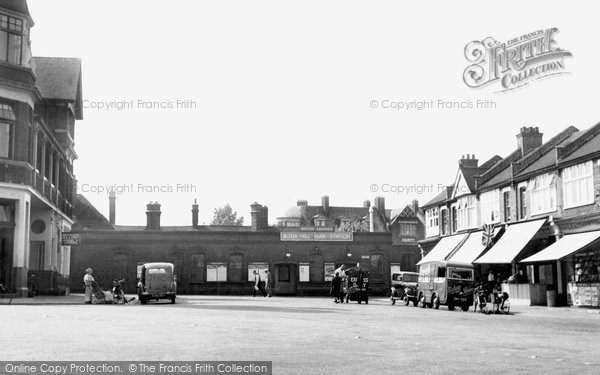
column 99, row 296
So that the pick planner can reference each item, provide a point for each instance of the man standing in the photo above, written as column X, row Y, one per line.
column 268, row 283
column 336, row 283
column 88, row 279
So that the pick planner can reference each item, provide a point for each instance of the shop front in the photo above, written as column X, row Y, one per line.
column 573, row 264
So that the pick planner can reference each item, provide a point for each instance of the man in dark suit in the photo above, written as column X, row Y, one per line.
column 336, row 284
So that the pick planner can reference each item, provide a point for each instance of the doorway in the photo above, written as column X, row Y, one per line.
column 6, row 256
column 36, row 255
column 286, row 278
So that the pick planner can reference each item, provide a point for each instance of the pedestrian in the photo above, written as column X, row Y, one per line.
column 268, row 283
column 258, row 284
column 88, row 279
column 336, row 283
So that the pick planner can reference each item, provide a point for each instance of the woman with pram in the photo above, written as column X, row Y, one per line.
column 88, row 281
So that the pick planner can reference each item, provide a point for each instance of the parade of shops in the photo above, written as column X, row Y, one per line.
column 540, row 208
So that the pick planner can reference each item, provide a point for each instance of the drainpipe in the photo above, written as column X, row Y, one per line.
column 371, row 223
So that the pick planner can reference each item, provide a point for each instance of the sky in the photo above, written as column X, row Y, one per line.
column 271, row 102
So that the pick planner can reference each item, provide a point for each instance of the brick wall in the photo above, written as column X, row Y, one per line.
column 115, row 254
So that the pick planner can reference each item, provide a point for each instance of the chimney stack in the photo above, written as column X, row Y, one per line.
column 112, row 206
column 153, row 216
column 325, row 204
column 415, row 206
column 195, row 214
column 380, row 204
column 302, row 202
column 529, row 139
column 367, row 204
column 260, row 216
column 468, row 161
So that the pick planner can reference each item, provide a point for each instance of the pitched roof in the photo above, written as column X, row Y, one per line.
column 19, row 6
column 59, row 78
column 87, row 216
column 441, row 197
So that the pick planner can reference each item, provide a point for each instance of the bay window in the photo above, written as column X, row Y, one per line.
column 11, row 39
column 490, row 207
column 543, row 193
column 466, row 212
column 578, row 184
column 432, row 222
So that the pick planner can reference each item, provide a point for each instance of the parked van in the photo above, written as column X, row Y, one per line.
column 157, row 281
column 446, row 283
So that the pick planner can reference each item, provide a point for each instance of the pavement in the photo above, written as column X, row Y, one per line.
column 305, row 335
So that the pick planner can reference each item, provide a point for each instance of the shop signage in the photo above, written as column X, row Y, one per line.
column 317, row 236
column 70, row 239
column 316, row 229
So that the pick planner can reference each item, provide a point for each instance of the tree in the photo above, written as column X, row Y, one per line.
column 225, row 216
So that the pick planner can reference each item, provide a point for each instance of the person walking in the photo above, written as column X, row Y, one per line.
column 258, row 284
column 336, row 283
column 268, row 283
column 88, row 280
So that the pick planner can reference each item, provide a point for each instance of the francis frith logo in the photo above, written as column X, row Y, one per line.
column 514, row 63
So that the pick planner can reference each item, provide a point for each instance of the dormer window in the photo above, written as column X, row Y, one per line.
column 320, row 222
column 11, row 39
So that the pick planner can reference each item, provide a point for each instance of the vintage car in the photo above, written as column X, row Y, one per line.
column 404, row 287
column 446, row 283
column 157, row 281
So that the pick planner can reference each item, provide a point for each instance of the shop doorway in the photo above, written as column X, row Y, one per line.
column 6, row 256
column 286, row 278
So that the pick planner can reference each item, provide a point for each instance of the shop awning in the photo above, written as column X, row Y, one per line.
column 443, row 248
column 512, row 242
column 566, row 246
column 470, row 249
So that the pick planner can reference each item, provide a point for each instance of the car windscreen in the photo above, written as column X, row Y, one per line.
column 460, row 274
column 411, row 278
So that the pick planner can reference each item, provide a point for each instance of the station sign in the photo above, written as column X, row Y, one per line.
column 317, row 236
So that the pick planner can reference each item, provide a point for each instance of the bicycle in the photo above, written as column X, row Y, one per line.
column 5, row 290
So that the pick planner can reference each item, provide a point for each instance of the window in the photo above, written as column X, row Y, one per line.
column 467, row 215
column 236, row 273
column 445, row 222
column 304, row 272
column 462, row 274
column 47, row 166
column 490, row 206
column 506, row 200
column 454, row 220
column 408, row 229
column 320, row 222
column 216, row 271
column 432, row 222
column 7, row 119
column 578, row 184
column 11, row 39
column 40, row 152
column 523, row 202
column 6, row 213
column 543, row 193
column 441, row 272
column 258, row 267
column 328, row 271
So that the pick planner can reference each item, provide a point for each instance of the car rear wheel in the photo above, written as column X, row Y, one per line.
column 435, row 302
column 406, row 300
column 422, row 302
column 393, row 301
